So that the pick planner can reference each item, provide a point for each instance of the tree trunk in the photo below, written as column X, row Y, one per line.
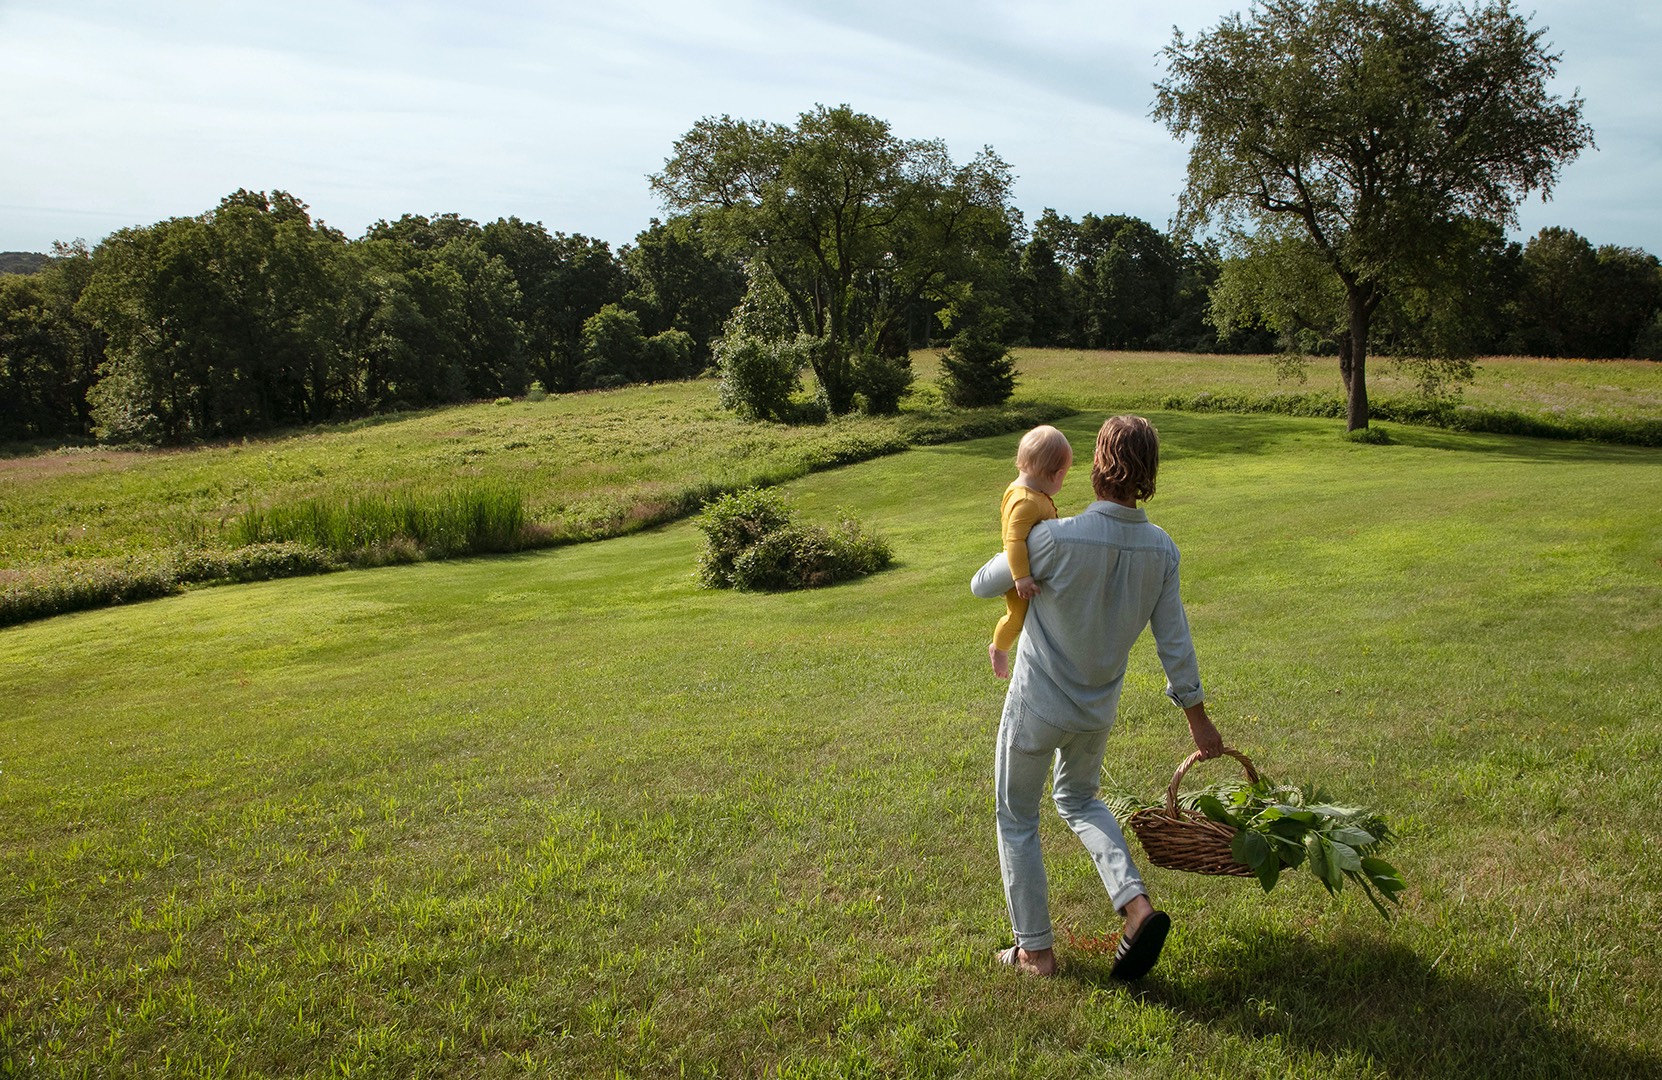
column 1353, row 359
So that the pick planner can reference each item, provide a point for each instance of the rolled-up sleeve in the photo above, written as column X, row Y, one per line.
column 1172, row 640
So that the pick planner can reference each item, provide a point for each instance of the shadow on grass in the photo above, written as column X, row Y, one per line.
column 1520, row 447
column 1379, row 998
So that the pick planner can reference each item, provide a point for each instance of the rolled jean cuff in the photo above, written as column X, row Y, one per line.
column 1127, row 894
column 1035, row 942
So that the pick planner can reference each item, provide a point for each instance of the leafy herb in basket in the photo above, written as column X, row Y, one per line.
column 1279, row 827
column 1284, row 827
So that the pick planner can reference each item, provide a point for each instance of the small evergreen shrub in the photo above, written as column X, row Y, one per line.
column 977, row 371
column 754, row 543
column 881, row 381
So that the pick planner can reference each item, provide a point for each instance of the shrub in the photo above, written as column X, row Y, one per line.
column 882, row 381
column 26, row 595
column 254, row 562
column 753, row 543
column 758, row 377
column 669, row 355
column 614, row 349
column 536, row 391
column 733, row 524
column 977, row 371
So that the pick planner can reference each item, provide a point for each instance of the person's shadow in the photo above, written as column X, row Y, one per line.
column 1354, row 995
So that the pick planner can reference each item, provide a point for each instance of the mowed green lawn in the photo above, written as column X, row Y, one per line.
column 566, row 814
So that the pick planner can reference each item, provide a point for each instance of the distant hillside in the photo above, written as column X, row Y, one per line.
column 22, row 262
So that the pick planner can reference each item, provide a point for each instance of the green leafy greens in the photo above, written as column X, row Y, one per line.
column 1279, row 827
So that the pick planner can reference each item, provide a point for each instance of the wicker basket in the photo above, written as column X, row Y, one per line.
column 1186, row 839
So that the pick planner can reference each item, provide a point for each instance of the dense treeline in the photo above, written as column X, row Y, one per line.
column 253, row 315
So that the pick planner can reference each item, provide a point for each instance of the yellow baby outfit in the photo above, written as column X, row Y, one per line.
column 1022, row 508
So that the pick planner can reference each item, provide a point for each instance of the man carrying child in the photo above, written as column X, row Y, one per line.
column 1105, row 574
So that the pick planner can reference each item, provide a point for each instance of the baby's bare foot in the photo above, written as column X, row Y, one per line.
column 1001, row 661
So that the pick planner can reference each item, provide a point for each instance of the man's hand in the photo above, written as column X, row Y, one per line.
column 1027, row 588
column 1207, row 739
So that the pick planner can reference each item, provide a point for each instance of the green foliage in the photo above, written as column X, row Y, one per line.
column 370, row 529
column 563, row 280
column 1648, row 345
column 1282, row 828
column 881, row 381
column 1575, row 300
column 753, row 542
column 614, row 349
column 49, row 352
column 977, row 372
column 853, row 226
column 758, row 376
column 1369, row 128
column 39, row 593
column 679, row 282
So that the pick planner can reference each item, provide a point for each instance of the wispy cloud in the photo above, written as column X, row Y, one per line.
column 118, row 114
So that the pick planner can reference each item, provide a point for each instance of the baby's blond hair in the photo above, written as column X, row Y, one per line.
column 1044, row 451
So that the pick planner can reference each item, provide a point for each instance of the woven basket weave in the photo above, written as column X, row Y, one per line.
column 1187, row 839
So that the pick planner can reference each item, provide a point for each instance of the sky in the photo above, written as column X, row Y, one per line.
column 117, row 113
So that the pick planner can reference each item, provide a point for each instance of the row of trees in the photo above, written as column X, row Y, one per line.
column 1357, row 160
column 253, row 316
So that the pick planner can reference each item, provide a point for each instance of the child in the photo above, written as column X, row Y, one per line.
column 1042, row 462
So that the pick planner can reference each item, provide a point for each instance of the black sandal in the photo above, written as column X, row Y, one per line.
column 1136, row 956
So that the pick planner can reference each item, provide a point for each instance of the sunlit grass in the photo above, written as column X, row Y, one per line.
column 567, row 814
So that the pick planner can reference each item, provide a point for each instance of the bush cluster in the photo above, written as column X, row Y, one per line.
column 26, row 595
column 753, row 542
column 758, row 377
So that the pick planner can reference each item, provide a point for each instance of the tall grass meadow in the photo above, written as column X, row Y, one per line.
column 369, row 529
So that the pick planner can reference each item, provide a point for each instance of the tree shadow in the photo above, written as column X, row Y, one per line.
column 1353, row 994
column 1520, row 447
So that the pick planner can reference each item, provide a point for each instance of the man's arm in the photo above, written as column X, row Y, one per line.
column 994, row 578
column 1170, row 626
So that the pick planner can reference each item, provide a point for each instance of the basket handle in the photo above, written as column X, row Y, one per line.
column 1177, row 778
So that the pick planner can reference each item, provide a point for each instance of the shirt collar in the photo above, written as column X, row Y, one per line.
column 1115, row 510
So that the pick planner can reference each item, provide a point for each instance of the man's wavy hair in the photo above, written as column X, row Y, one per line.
column 1126, row 460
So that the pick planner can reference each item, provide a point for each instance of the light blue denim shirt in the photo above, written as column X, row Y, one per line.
column 1103, row 576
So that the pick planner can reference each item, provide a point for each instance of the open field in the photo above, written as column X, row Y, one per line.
column 564, row 813
column 599, row 464
column 1629, row 390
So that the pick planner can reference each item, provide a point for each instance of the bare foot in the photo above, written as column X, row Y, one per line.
column 1001, row 661
column 1136, row 910
column 1041, row 962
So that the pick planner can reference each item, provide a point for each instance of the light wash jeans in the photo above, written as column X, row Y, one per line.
column 1027, row 746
